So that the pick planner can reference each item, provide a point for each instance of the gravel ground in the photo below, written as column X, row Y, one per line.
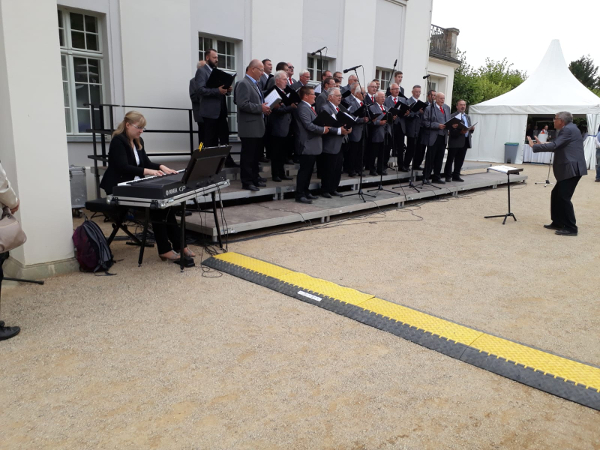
column 151, row 358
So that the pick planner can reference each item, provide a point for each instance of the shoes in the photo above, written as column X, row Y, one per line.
column 597, row 180
column 565, row 232
column 336, row 194
column 404, row 169
column 188, row 253
column 170, row 256
column 352, row 174
column 437, row 180
column 325, row 195
column 552, row 226
column 311, row 197
column 290, row 161
column 8, row 332
column 426, row 181
column 457, row 178
column 250, row 187
column 417, row 168
column 373, row 173
column 264, row 180
column 285, row 177
column 276, row 179
column 448, row 179
column 260, row 184
column 1, row 323
column 304, row 200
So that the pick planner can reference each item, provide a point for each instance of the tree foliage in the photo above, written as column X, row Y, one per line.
column 492, row 79
column 585, row 71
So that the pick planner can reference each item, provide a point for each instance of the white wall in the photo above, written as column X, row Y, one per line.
column 33, row 145
column 416, row 44
column 443, row 72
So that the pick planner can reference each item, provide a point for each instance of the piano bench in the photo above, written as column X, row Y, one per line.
column 115, row 214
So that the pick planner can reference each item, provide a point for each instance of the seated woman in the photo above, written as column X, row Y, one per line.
column 128, row 161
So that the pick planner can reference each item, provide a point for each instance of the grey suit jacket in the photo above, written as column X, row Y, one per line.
column 357, row 129
column 432, row 118
column 413, row 121
column 297, row 85
column 309, row 134
column 251, row 123
column 211, row 99
column 332, row 143
column 456, row 138
column 569, row 158
column 263, row 81
column 400, row 121
column 279, row 121
column 321, row 100
column 379, row 131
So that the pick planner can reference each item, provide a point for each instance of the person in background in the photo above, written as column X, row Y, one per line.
column 542, row 138
column 127, row 160
column 278, row 128
column 9, row 199
column 195, row 98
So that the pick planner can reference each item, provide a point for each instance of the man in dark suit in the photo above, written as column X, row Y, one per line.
column 380, row 132
column 195, row 98
column 264, row 78
column 332, row 145
column 413, row 129
column 309, row 135
column 304, row 78
column 213, row 105
column 278, row 128
column 280, row 66
column 434, row 118
column 324, row 75
column 398, row 80
column 355, row 163
column 398, row 127
column 568, row 166
column 458, row 143
column 423, row 135
column 252, row 110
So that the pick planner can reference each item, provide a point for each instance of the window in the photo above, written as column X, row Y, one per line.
column 81, row 61
column 383, row 75
column 226, row 51
column 314, row 67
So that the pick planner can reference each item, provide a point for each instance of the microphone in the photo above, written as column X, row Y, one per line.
column 317, row 51
column 352, row 68
column 426, row 76
column 395, row 62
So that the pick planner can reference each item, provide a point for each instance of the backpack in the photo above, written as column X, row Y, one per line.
column 92, row 250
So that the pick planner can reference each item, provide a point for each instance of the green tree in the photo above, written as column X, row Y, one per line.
column 585, row 71
column 492, row 79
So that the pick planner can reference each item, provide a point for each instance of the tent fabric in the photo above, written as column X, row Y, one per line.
column 589, row 146
column 551, row 88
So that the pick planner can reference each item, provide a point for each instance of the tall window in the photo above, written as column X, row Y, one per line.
column 81, row 61
column 313, row 65
column 227, row 54
column 383, row 75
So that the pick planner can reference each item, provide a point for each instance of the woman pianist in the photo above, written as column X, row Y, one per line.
column 128, row 161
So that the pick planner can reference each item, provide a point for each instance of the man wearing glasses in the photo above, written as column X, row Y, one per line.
column 568, row 167
column 290, row 73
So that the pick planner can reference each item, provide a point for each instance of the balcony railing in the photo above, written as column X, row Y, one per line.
column 442, row 43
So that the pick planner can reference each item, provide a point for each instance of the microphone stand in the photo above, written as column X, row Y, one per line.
column 360, row 192
column 547, row 182
column 380, row 188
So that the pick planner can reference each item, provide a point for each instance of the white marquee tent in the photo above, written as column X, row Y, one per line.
column 551, row 88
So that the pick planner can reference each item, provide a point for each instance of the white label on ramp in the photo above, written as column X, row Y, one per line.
column 312, row 297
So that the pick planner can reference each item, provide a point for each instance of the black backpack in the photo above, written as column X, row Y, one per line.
column 92, row 250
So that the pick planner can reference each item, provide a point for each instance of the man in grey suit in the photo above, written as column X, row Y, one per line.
column 458, row 143
column 322, row 99
column 213, row 106
column 309, row 135
column 569, row 166
column 332, row 145
column 196, row 99
column 290, row 74
column 278, row 128
column 304, row 78
column 398, row 127
column 252, row 110
column 380, row 133
column 413, row 129
column 266, row 76
column 355, row 152
column 434, row 118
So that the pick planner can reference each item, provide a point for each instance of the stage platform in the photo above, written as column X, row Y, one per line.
column 282, row 209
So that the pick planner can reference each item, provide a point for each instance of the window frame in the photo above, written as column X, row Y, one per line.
column 313, row 67
column 231, row 106
column 71, row 53
column 383, row 75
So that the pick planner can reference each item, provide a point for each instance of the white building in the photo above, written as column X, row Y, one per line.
column 56, row 58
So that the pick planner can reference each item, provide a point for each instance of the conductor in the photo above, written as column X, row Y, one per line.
column 568, row 167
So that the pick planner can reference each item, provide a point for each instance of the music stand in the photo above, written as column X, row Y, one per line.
column 508, row 171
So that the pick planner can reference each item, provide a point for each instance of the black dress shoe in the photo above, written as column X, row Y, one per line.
column 285, row 177
column 426, row 181
column 566, row 232
column 417, row 168
column 553, row 226
column 264, row 180
column 1, row 323
column 352, row 174
column 437, row 180
column 8, row 332
column 250, row 187
column 260, row 184
column 404, row 169
column 336, row 194
column 373, row 173
column 276, row 179
column 311, row 197
column 325, row 195
column 304, row 200
column 448, row 179
column 456, row 178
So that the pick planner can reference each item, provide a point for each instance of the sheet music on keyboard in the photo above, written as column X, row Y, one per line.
column 505, row 169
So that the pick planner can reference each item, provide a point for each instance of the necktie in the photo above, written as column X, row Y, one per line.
column 381, row 106
column 290, row 80
column 360, row 103
column 313, row 110
column 337, row 109
column 441, row 110
column 395, row 101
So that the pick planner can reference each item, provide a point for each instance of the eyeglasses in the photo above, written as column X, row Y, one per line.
column 290, row 67
column 139, row 128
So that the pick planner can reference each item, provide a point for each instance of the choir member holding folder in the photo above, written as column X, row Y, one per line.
column 381, row 129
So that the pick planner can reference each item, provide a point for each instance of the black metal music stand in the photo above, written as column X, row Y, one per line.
column 509, row 213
